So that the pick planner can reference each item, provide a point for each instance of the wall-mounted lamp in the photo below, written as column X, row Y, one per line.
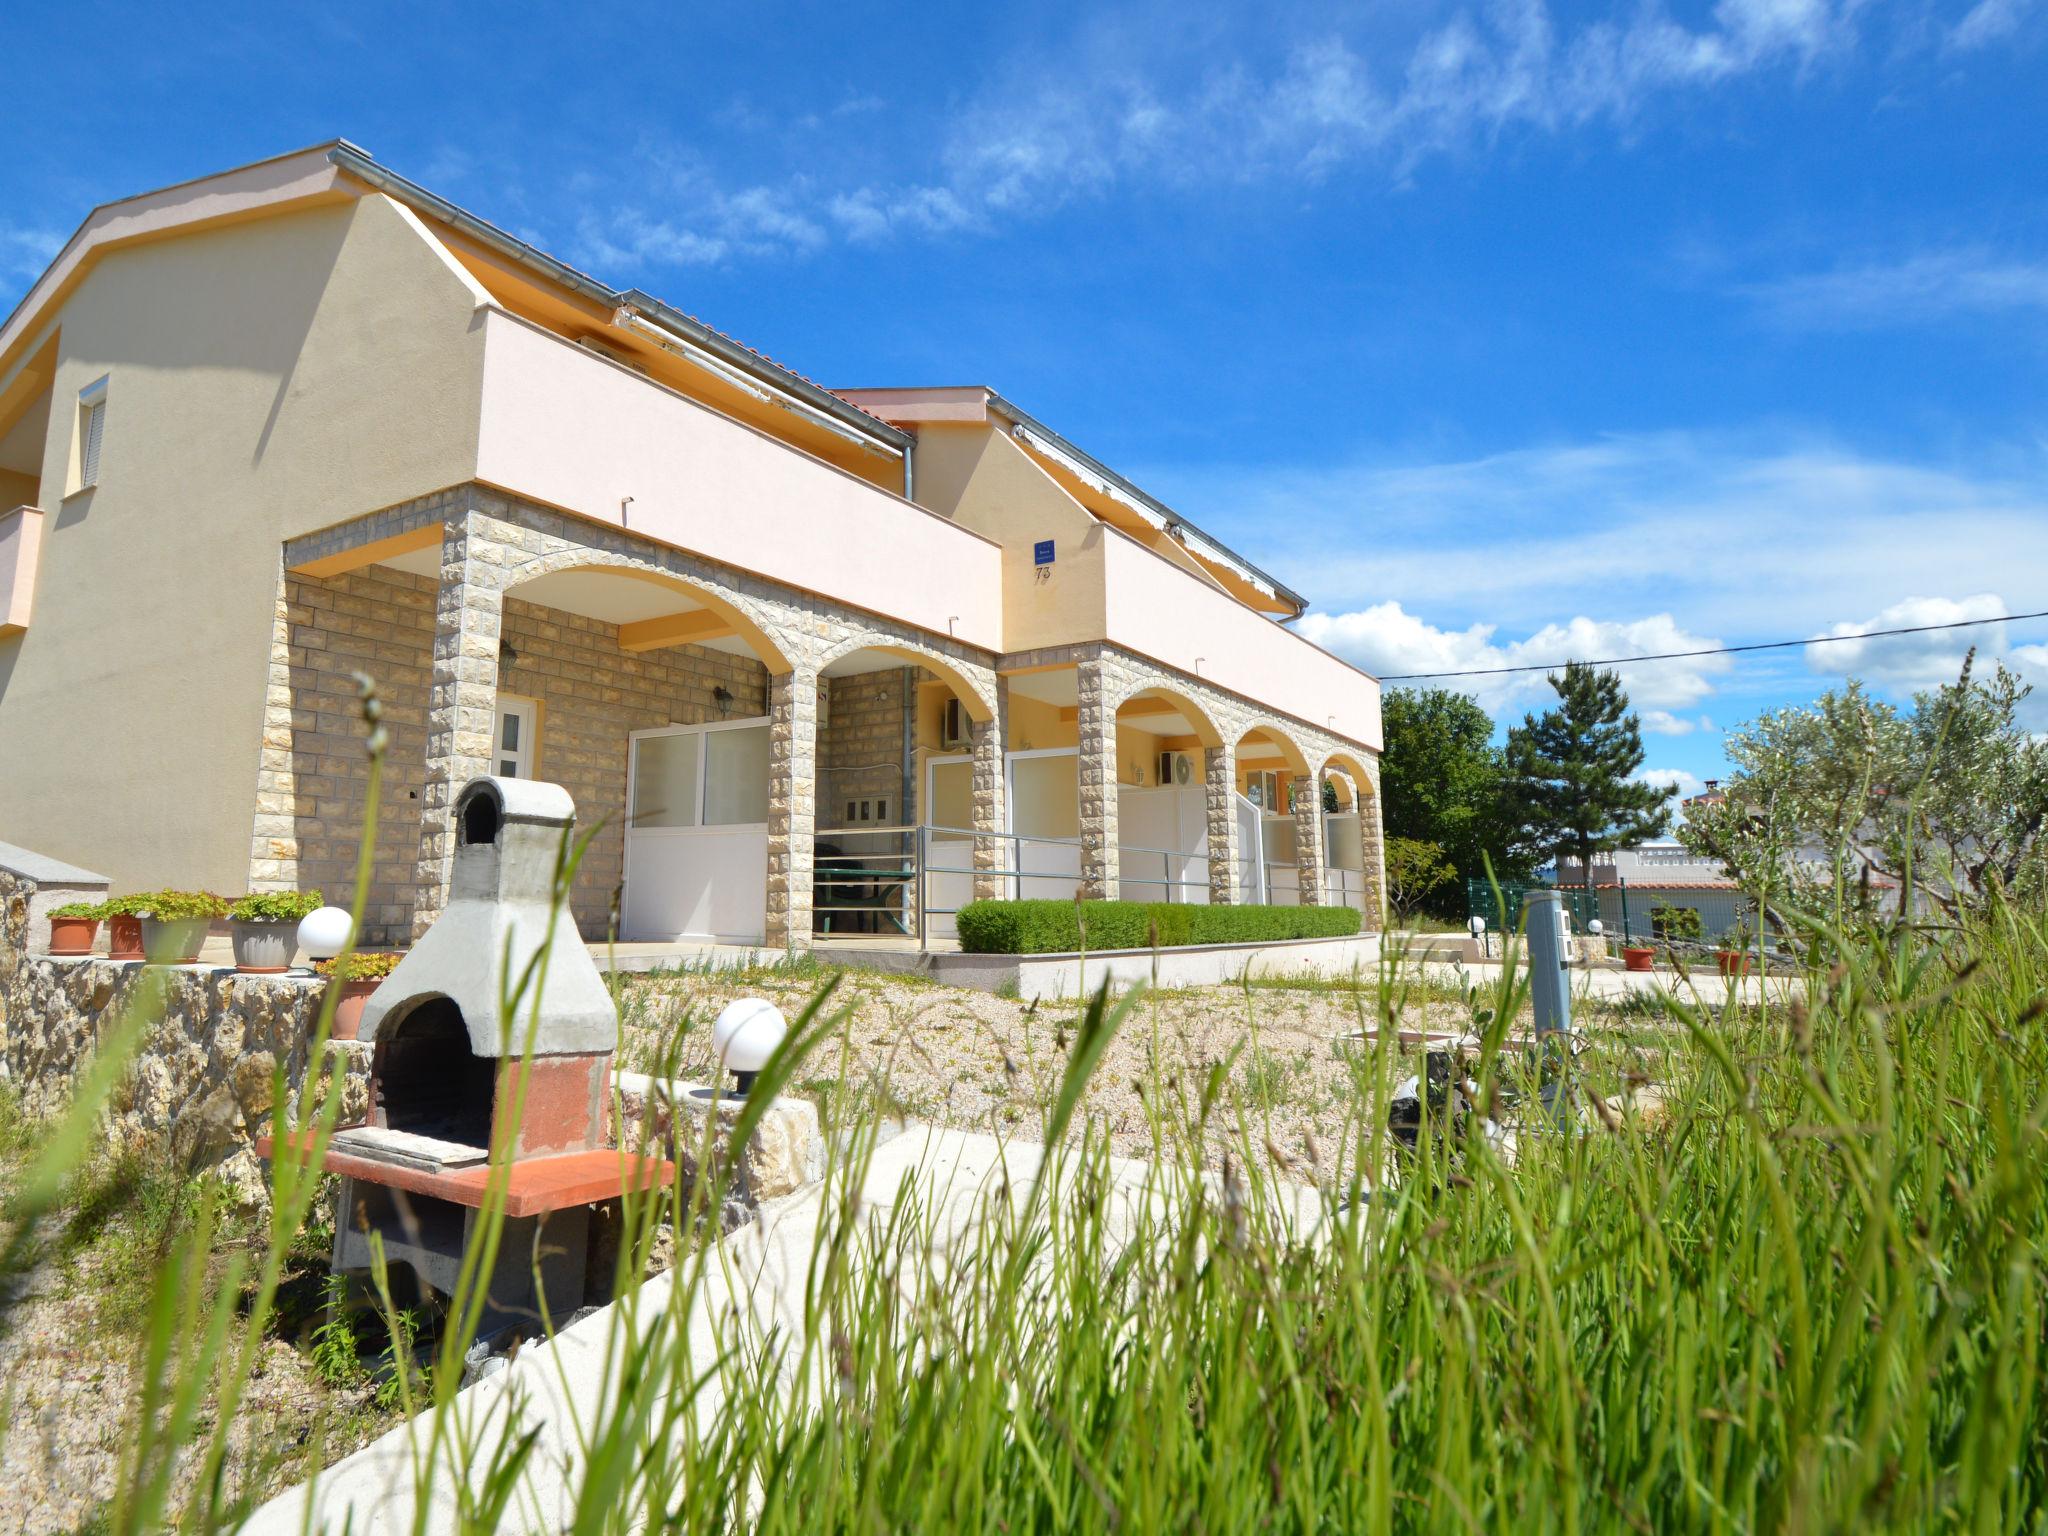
column 722, row 697
column 507, row 657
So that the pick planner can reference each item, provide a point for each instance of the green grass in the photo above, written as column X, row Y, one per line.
column 1809, row 1293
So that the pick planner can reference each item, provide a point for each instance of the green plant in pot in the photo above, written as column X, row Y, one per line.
column 174, row 923
column 358, row 976
column 1734, row 954
column 74, row 926
column 266, row 929
column 123, row 917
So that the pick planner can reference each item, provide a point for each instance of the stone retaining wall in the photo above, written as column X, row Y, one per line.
column 203, row 1078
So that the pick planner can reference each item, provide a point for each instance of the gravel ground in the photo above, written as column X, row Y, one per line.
column 69, row 1392
column 981, row 1062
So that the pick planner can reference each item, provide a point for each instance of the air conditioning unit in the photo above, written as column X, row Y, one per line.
column 1177, row 769
column 956, row 729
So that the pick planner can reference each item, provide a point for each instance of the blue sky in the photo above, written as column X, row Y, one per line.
column 1506, row 331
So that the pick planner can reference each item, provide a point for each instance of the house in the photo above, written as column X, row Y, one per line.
column 804, row 658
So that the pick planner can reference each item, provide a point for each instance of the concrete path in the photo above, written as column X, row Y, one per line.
column 760, row 1277
column 1704, row 988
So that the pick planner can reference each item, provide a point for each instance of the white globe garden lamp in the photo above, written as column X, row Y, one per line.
column 324, row 932
column 745, row 1036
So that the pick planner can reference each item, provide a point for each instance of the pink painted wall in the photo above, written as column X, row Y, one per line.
column 21, row 540
column 1159, row 610
column 564, row 427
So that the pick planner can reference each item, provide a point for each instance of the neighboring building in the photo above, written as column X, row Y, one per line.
column 302, row 419
column 1631, row 884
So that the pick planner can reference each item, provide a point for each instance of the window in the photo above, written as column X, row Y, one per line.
column 513, row 754
column 700, row 777
column 92, row 420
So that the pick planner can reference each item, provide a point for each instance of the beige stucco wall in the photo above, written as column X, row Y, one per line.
column 264, row 379
column 985, row 482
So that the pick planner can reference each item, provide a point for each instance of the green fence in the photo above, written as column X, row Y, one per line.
column 1635, row 914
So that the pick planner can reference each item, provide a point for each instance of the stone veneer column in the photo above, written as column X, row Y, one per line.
column 792, row 805
column 991, row 812
column 1306, row 797
column 1372, row 839
column 1097, row 765
column 1219, row 777
column 463, row 705
column 274, row 843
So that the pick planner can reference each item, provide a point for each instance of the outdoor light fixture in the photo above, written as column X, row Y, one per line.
column 323, row 932
column 1594, row 928
column 1477, row 925
column 507, row 657
column 722, row 697
column 745, row 1036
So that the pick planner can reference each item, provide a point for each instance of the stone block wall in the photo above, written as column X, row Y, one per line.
column 860, row 745
column 591, row 696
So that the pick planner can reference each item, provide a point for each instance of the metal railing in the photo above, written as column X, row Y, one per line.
column 895, row 879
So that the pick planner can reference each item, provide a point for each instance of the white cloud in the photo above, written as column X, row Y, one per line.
column 1929, row 286
column 25, row 250
column 1677, row 782
column 1900, row 664
column 1988, row 21
column 1120, row 105
column 1661, row 722
column 1755, row 535
column 1388, row 641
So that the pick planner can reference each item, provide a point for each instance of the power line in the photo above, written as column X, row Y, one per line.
column 1718, row 650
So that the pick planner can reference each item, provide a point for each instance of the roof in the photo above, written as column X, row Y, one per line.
column 976, row 402
column 308, row 175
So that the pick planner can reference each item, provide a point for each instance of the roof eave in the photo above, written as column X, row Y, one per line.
column 358, row 164
column 1151, row 503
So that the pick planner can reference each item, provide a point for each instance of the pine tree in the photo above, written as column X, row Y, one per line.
column 1569, row 770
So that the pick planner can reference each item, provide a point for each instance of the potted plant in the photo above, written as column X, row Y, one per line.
column 174, row 924
column 124, row 927
column 358, row 976
column 1637, row 957
column 1733, row 955
column 74, row 926
column 266, row 929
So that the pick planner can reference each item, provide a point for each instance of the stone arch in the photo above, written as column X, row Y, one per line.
column 1206, row 730
column 1352, row 770
column 731, row 609
column 979, row 702
column 1290, row 749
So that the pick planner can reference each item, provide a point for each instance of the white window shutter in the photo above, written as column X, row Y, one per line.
column 89, row 449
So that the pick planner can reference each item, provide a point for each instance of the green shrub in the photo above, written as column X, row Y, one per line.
column 91, row 909
column 276, row 906
column 1051, row 927
column 1681, row 923
column 177, row 906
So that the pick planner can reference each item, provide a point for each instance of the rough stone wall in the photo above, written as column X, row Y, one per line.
column 202, row 1078
column 860, row 744
column 592, row 696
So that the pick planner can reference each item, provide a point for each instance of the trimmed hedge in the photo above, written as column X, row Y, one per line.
column 1050, row 927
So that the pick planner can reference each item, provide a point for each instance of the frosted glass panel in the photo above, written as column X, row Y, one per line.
column 952, row 796
column 665, row 780
column 1046, row 795
column 736, row 777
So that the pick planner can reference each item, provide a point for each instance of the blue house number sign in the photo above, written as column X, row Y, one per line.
column 1041, row 552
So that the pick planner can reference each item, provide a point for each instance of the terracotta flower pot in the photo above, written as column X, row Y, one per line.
column 264, row 948
column 1733, row 962
column 124, row 937
column 73, row 935
column 1637, row 957
column 173, row 941
column 348, row 1007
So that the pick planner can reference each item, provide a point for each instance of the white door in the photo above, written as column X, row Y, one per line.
column 948, row 855
column 697, row 833
column 516, row 737
column 1045, row 812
